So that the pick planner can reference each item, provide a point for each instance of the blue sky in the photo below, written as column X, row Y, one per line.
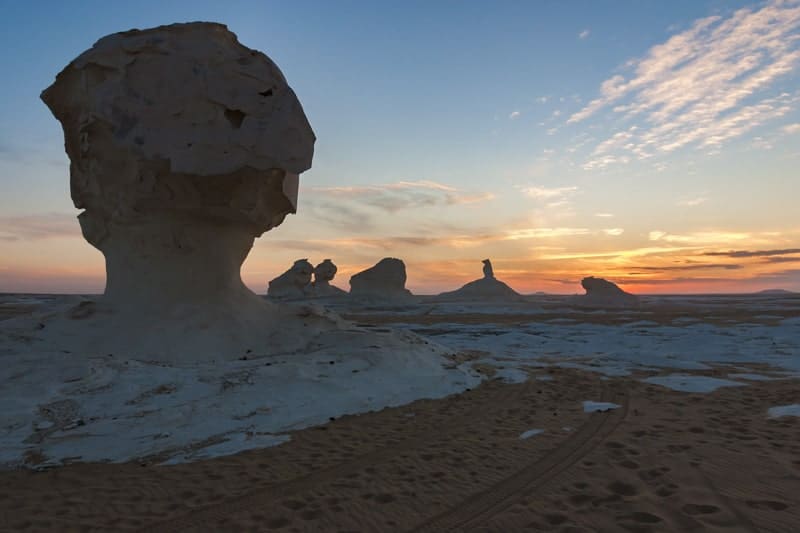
column 555, row 137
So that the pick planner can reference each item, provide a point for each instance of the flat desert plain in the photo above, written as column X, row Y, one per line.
column 679, row 415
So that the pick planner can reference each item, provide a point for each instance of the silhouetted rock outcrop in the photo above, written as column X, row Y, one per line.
column 487, row 288
column 384, row 281
column 602, row 293
column 294, row 283
column 323, row 275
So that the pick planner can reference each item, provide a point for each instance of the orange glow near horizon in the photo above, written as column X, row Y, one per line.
column 667, row 270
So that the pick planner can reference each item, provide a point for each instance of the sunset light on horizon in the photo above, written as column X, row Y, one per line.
column 656, row 145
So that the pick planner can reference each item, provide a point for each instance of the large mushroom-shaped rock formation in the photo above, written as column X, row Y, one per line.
column 384, row 281
column 294, row 283
column 487, row 288
column 184, row 147
column 603, row 293
column 323, row 275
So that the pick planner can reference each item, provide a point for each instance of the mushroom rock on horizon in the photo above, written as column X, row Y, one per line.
column 604, row 293
column 293, row 283
column 386, row 280
column 184, row 147
column 488, row 288
column 323, row 275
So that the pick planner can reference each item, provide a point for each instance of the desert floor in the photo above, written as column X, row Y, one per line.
column 662, row 460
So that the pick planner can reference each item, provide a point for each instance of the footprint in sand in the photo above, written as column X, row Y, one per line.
column 766, row 505
column 622, row 488
column 698, row 509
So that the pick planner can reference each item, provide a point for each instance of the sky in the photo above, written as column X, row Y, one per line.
column 656, row 144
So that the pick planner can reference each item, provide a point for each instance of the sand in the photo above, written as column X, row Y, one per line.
column 662, row 461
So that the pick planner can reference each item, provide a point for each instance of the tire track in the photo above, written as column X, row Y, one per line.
column 483, row 505
column 203, row 516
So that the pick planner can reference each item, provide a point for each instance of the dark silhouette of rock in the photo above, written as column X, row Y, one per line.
column 602, row 293
column 384, row 281
column 323, row 275
column 294, row 283
column 487, row 288
column 488, row 271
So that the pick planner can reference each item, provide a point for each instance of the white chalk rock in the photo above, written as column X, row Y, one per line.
column 384, row 281
column 487, row 288
column 602, row 293
column 185, row 146
column 294, row 283
column 323, row 275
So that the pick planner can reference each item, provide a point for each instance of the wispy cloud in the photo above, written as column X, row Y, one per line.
column 545, row 233
column 394, row 197
column 703, row 86
column 514, row 114
column 702, row 237
column 792, row 128
column 39, row 226
column 549, row 193
column 584, row 34
column 689, row 267
column 692, row 202
column 754, row 253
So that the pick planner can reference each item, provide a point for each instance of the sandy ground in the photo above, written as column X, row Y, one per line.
column 662, row 461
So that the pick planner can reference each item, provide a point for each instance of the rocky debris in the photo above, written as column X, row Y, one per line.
column 294, row 283
column 384, row 281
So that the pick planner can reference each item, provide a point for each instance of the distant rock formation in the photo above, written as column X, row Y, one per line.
column 775, row 292
column 488, row 271
column 294, row 283
column 384, row 281
column 323, row 275
column 487, row 288
column 602, row 293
